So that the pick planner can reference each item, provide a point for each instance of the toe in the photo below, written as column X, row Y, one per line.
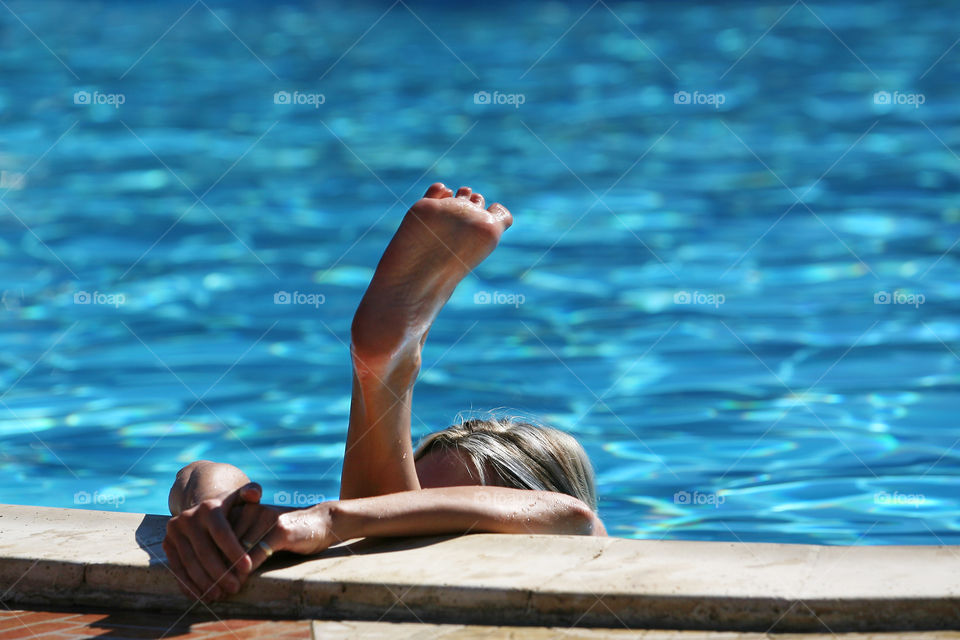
column 447, row 192
column 436, row 190
column 477, row 199
column 464, row 192
column 502, row 214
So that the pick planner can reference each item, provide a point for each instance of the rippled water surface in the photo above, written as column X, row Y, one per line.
column 693, row 276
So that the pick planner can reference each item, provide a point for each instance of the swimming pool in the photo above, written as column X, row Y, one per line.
column 732, row 273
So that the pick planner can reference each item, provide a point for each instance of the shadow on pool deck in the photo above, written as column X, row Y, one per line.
column 149, row 536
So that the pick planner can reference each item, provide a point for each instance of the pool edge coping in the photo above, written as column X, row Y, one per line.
column 116, row 559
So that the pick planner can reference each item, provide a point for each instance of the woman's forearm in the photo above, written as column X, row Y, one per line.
column 460, row 510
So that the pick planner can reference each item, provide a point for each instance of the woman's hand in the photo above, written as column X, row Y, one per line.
column 265, row 529
column 203, row 550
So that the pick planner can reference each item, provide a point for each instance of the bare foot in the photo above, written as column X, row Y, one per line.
column 441, row 239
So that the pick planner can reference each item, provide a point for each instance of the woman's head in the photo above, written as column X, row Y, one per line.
column 507, row 453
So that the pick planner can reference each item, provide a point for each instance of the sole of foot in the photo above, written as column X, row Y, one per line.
column 441, row 239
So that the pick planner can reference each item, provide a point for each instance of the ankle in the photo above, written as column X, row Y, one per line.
column 380, row 342
column 396, row 368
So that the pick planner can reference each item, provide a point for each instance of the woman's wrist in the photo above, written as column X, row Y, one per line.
column 305, row 530
column 342, row 526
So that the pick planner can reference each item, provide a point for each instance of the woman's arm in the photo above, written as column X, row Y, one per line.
column 446, row 510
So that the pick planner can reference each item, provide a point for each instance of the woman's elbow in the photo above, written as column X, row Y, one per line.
column 580, row 520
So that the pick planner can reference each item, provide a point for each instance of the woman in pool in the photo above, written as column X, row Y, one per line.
column 495, row 476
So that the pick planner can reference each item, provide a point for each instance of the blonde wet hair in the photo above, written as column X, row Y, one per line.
column 508, row 452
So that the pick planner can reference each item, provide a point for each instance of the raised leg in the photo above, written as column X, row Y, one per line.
column 440, row 240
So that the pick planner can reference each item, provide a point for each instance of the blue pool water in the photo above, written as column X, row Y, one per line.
column 708, row 198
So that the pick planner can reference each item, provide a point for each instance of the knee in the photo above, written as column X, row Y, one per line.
column 185, row 473
column 180, row 484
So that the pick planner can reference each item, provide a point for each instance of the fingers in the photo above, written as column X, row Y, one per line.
column 258, row 555
column 229, row 547
column 187, row 586
column 261, row 527
column 502, row 214
column 203, row 550
column 266, row 547
column 227, row 535
column 243, row 512
column 202, row 584
column 243, row 523
column 250, row 492
column 252, row 525
column 216, row 578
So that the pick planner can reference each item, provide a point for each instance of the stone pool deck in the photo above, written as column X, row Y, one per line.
column 68, row 559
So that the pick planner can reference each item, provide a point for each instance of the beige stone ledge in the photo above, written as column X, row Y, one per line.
column 69, row 557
